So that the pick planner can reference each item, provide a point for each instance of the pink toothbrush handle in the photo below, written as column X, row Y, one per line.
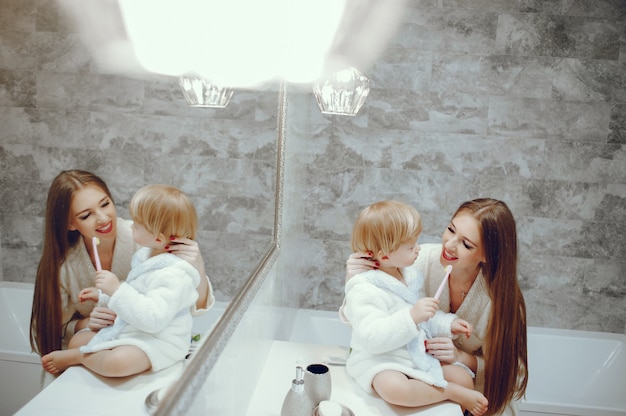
column 444, row 282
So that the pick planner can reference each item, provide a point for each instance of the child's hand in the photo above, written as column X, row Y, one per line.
column 88, row 293
column 107, row 282
column 424, row 309
column 461, row 326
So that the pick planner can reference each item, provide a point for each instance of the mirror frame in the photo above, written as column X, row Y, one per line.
column 181, row 395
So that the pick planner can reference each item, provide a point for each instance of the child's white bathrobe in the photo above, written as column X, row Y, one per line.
column 384, row 336
column 153, row 308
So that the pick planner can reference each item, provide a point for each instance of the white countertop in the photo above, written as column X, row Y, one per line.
column 78, row 391
column 280, row 369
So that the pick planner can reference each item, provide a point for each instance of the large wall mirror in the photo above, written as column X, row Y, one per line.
column 73, row 96
column 62, row 108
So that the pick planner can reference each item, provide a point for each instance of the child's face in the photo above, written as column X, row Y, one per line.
column 93, row 214
column 405, row 255
column 145, row 238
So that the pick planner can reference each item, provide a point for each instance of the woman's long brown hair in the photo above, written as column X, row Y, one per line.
column 46, row 332
column 505, row 348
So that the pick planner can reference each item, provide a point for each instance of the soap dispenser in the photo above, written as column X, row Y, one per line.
column 297, row 402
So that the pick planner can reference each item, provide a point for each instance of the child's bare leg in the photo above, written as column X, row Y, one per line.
column 457, row 375
column 121, row 361
column 80, row 338
column 469, row 399
column 396, row 388
column 58, row 361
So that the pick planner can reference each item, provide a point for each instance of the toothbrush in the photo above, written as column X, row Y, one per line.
column 95, row 241
column 443, row 283
column 334, row 360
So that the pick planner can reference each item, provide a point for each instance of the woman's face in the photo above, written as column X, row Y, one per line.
column 462, row 245
column 93, row 214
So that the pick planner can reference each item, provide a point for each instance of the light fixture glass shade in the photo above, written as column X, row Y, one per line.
column 343, row 93
column 200, row 92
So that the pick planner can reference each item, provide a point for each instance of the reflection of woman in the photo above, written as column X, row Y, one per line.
column 153, row 325
column 480, row 244
column 80, row 207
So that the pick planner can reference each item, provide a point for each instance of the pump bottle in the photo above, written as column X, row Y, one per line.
column 297, row 402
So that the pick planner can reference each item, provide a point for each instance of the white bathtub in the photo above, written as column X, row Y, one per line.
column 20, row 369
column 575, row 373
column 572, row 373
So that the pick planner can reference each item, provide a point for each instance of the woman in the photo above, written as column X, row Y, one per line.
column 80, row 207
column 480, row 244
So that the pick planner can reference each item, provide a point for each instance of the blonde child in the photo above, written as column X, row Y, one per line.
column 391, row 319
column 153, row 306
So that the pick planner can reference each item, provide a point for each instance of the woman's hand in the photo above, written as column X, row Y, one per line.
column 101, row 317
column 443, row 349
column 360, row 262
column 187, row 250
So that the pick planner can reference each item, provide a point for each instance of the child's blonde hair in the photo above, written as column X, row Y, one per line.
column 384, row 226
column 166, row 210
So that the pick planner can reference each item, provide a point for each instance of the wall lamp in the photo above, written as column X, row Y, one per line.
column 341, row 93
column 200, row 92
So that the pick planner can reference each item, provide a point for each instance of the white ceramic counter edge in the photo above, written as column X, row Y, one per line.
column 279, row 370
column 78, row 391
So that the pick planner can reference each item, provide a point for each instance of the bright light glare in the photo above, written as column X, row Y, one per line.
column 233, row 42
column 241, row 43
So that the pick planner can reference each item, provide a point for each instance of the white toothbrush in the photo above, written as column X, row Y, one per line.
column 95, row 241
column 333, row 360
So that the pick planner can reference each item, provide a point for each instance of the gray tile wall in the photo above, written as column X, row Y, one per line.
column 523, row 101
column 59, row 110
column 520, row 100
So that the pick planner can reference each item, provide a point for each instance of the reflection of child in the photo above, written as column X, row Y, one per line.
column 153, row 324
column 391, row 319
